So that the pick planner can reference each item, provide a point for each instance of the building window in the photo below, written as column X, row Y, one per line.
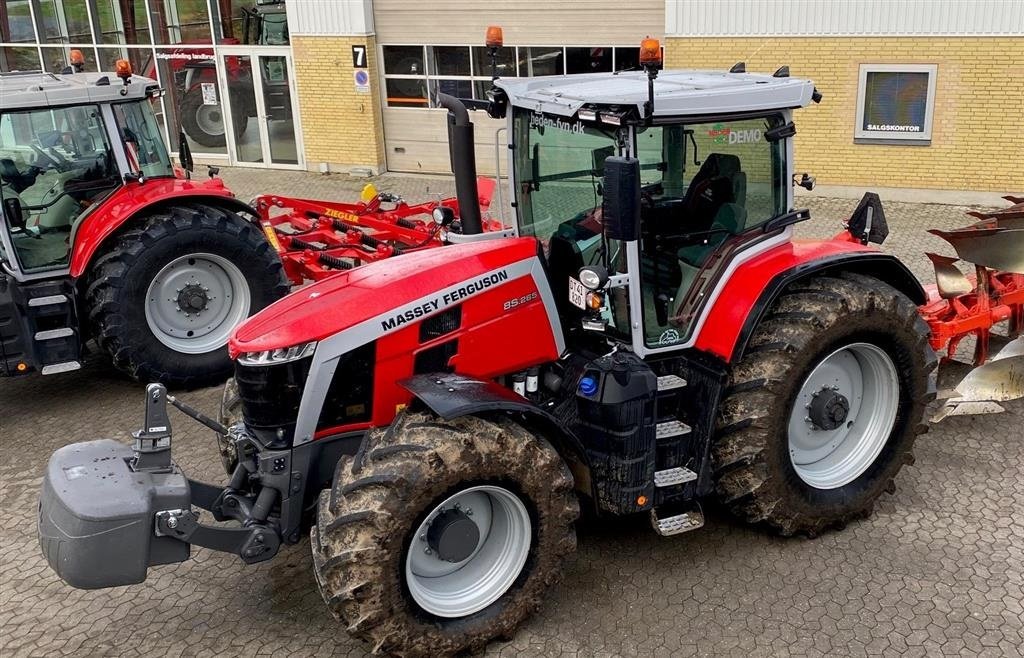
column 414, row 73
column 895, row 103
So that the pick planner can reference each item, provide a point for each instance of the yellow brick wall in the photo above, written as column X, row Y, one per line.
column 339, row 126
column 978, row 123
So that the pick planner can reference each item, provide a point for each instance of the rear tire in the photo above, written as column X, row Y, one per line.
column 368, row 530
column 768, row 468
column 122, row 278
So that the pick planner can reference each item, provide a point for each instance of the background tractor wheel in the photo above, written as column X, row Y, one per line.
column 165, row 295
column 439, row 536
column 205, row 123
column 822, row 411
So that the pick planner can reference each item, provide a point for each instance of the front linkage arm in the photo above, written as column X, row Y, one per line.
column 259, row 538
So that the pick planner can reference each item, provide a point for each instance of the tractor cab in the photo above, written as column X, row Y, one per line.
column 650, row 186
column 103, row 238
column 66, row 143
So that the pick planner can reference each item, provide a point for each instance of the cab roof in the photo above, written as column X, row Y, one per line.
column 676, row 93
column 39, row 90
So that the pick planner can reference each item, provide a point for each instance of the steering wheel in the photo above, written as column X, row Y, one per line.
column 58, row 164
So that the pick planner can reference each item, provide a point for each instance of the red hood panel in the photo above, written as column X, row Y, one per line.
column 348, row 298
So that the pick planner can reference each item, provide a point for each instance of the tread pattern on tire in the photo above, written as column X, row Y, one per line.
column 746, row 480
column 381, row 493
column 109, row 274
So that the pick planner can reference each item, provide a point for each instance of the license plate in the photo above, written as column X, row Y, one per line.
column 577, row 293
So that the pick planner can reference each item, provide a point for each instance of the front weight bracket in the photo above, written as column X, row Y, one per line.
column 253, row 544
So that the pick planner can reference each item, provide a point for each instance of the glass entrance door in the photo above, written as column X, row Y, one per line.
column 263, row 111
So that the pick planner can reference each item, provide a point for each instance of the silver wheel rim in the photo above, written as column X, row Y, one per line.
column 193, row 330
column 210, row 119
column 447, row 589
column 863, row 375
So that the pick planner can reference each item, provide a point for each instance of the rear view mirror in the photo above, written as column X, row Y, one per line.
column 14, row 213
column 621, row 207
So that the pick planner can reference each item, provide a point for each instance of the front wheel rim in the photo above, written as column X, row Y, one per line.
column 222, row 301
column 843, row 415
column 458, row 589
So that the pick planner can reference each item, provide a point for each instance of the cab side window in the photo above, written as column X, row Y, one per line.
column 703, row 185
column 56, row 164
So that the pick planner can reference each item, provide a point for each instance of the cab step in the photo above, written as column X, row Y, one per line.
column 670, row 382
column 671, row 428
column 48, row 300
column 671, row 477
column 57, row 368
column 51, row 334
column 677, row 522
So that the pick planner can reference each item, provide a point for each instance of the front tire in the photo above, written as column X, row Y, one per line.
column 386, row 545
column 165, row 295
column 822, row 411
column 230, row 414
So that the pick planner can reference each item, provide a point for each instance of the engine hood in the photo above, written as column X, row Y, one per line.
column 381, row 292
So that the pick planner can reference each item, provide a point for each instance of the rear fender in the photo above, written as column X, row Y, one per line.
column 874, row 264
column 131, row 200
column 453, row 396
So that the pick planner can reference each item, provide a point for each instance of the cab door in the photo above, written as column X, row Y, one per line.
column 708, row 190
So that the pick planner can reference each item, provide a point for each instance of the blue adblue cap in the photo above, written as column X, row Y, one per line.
column 588, row 386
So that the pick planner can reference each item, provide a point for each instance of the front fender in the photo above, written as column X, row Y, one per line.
column 130, row 200
column 756, row 285
column 453, row 396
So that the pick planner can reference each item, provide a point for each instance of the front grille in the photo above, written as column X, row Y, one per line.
column 441, row 324
column 270, row 397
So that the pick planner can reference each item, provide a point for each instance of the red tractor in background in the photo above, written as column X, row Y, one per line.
column 651, row 335
column 104, row 238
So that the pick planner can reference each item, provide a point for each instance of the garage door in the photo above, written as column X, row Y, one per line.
column 416, row 66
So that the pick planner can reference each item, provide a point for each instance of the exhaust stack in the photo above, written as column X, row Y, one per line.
column 463, row 159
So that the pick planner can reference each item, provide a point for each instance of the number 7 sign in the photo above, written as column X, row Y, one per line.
column 359, row 57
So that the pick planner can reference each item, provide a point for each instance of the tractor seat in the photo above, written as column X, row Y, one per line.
column 10, row 174
column 719, row 181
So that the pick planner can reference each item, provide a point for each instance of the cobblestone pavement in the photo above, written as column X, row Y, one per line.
column 939, row 568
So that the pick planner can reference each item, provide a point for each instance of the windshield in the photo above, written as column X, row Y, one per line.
column 55, row 164
column 559, row 165
column 703, row 184
column 143, row 141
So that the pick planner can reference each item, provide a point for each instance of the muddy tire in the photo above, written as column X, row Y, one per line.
column 193, row 257
column 230, row 414
column 783, row 455
column 368, row 531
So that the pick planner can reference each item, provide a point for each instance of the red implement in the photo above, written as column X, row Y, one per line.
column 995, row 296
column 319, row 238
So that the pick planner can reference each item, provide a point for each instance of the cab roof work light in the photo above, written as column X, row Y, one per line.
column 123, row 68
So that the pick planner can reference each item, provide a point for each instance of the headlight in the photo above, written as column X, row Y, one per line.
column 280, row 355
column 593, row 277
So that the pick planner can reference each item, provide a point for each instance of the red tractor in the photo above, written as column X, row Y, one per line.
column 652, row 335
column 104, row 238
